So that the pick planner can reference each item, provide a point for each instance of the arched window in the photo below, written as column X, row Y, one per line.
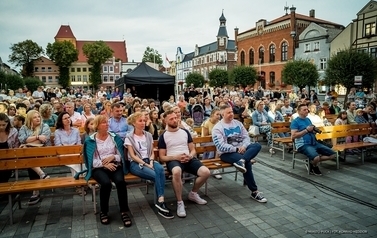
column 251, row 57
column 284, row 51
column 242, row 58
column 261, row 55
column 272, row 77
column 272, row 53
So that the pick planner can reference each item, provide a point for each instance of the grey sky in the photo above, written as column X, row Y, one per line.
column 161, row 24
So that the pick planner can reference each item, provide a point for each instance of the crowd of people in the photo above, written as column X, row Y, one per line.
column 114, row 121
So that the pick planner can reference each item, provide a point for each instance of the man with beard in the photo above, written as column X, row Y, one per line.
column 233, row 145
column 177, row 149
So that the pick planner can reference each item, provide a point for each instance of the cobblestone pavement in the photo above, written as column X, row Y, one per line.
column 339, row 203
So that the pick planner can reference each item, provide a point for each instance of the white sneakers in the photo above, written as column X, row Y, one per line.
column 181, row 211
column 196, row 198
column 216, row 174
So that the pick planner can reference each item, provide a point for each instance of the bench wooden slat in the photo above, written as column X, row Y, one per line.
column 342, row 147
column 41, row 151
column 26, row 163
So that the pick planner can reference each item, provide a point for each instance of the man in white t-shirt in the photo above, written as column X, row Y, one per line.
column 177, row 149
column 75, row 116
column 286, row 110
column 100, row 93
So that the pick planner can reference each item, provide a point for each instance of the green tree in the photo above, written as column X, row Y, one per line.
column 23, row 54
column 300, row 73
column 196, row 79
column 218, row 78
column 12, row 81
column 243, row 75
column 97, row 54
column 63, row 53
column 346, row 64
column 152, row 55
column 33, row 83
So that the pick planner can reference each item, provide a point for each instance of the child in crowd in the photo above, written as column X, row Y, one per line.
column 18, row 121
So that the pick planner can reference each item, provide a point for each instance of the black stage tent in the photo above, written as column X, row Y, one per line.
column 149, row 83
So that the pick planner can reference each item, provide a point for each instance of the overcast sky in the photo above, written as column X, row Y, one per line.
column 161, row 24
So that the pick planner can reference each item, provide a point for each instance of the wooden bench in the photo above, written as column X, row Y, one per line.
column 202, row 146
column 25, row 158
column 341, row 131
column 331, row 118
column 280, row 127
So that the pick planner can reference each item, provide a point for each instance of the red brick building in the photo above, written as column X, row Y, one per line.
column 269, row 45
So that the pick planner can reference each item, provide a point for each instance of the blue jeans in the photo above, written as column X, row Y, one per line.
column 312, row 151
column 251, row 151
column 157, row 175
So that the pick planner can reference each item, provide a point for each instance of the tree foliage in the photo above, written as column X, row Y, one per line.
column 63, row 53
column 23, row 54
column 97, row 54
column 300, row 73
column 196, row 79
column 242, row 75
column 218, row 78
column 152, row 55
column 33, row 83
column 345, row 65
column 12, row 81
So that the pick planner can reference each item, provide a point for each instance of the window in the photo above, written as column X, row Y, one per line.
column 43, row 69
column 78, row 69
column 307, row 47
column 36, row 69
column 78, row 78
column 251, row 57
column 111, row 78
column 56, row 78
column 261, row 55
column 323, row 64
column 370, row 29
column 49, row 69
column 284, row 51
column 104, row 68
column 373, row 52
column 50, row 79
column 116, row 77
column 105, row 78
column 90, row 69
column 84, row 78
column 73, row 78
column 83, row 69
column 272, row 77
column 44, row 79
column 316, row 46
column 242, row 58
column 272, row 53
column 111, row 69
column 72, row 69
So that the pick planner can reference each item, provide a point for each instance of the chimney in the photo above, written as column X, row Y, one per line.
column 312, row 13
column 235, row 35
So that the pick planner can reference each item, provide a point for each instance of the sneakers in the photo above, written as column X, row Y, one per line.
column 162, row 206
column 240, row 165
column 164, row 211
column 257, row 196
column 196, row 198
column 216, row 174
column 34, row 199
column 181, row 212
column 315, row 170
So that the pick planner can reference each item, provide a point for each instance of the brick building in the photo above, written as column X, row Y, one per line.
column 269, row 45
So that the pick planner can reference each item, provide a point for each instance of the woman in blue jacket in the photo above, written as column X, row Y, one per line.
column 104, row 158
column 263, row 122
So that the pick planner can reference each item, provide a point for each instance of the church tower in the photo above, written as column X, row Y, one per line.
column 222, row 34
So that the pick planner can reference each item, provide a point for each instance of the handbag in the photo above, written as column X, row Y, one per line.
column 253, row 130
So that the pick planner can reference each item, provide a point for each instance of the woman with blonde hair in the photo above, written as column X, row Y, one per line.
column 106, row 109
column 35, row 133
column 48, row 117
column 141, row 156
column 156, row 123
column 86, row 113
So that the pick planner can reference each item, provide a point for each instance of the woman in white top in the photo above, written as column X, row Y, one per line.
column 86, row 113
column 314, row 118
column 142, row 163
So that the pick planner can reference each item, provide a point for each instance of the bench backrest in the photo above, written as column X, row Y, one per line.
column 280, row 127
column 50, row 156
column 330, row 132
